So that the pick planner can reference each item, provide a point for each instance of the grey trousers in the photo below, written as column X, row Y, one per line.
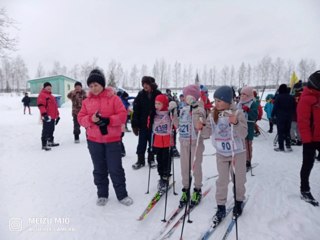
column 225, row 174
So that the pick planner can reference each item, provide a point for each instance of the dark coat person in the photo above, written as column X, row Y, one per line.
column 283, row 111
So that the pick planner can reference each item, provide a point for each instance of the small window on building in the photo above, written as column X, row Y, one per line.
column 68, row 87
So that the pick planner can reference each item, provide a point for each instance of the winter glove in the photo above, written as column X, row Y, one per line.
column 191, row 101
column 172, row 106
column 102, row 123
column 57, row 120
column 135, row 131
column 46, row 118
column 245, row 108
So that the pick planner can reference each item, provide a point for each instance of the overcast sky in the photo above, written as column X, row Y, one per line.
column 198, row 32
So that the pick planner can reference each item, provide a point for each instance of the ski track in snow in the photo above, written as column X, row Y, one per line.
column 59, row 183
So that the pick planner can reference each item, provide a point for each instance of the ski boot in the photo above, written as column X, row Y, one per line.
column 175, row 153
column 248, row 165
column 184, row 198
column 140, row 163
column 151, row 162
column 162, row 185
column 237, row 209
column 220, row 214
column 196, row 197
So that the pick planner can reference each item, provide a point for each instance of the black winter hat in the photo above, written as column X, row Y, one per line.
column 96, row 76
column 46, row 84
column 283, row 89
column 314, row 81
column 224, row 93
column 147, row 80
column 78, row 84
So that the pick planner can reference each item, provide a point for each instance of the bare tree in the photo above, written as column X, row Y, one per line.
column 144, row 71
column 7, row 43
column 190, row 74
column 241, row 75
column 249, row 75
column 184, row 77
column 277, row 69
column 7, row 74
column 40, row 71
column 288, row 71
column 162, row 73
column 75, row 72
column 134, row 78
column 265, row 70
column 58, row 69
column 176, row 74
column 197, row 80
column 205, row 75
column 224, row 75
column 86, row 68
column 303, row 69
column 213, row 76
column 232, row 76
column 20, row 72
column 306, row 67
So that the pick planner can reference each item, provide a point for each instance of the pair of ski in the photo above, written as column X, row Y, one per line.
column 173, row 216
column 213, row 226
column 153, row 202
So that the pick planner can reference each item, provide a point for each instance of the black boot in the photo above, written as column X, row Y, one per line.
column 175, row 153
column 220, row 214
column 140, row 163
column 151, row 162
column 76, row 138
column 51, row 143
column 248, row 164
column 237, row 209
column 44, row 145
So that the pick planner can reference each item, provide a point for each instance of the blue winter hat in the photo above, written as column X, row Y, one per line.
column 224, row 93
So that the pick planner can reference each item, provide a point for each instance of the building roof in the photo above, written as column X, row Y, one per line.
column 51, row 78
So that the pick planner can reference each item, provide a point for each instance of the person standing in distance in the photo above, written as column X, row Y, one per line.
column 50, row 116
column 76, row 96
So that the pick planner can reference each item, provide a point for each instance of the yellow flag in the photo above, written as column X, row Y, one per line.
column 294, row 79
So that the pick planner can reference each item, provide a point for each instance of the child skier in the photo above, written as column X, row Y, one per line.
column 268, row 109
column 163, row 122
column 250, row 109
column 229, row 129
column 190, row 115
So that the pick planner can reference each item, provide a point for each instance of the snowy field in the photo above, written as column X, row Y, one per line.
column 51, row 195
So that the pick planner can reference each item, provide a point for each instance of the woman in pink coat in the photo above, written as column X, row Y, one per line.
column 102, row 114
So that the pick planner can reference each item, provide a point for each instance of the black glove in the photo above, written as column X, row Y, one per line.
column 135, row 131
column 57, row 120
column 103, row 123
column 46, row 118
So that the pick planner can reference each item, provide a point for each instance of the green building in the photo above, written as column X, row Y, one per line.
column 61, row 86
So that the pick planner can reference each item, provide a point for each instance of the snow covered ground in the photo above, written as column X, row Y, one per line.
column 51, row 195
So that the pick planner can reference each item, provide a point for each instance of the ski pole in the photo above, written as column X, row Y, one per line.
column 149, row 179
column 150, row 152
column 171, row 157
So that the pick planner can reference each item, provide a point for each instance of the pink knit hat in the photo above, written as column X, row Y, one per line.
column 192, row 90
column 246, row 94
